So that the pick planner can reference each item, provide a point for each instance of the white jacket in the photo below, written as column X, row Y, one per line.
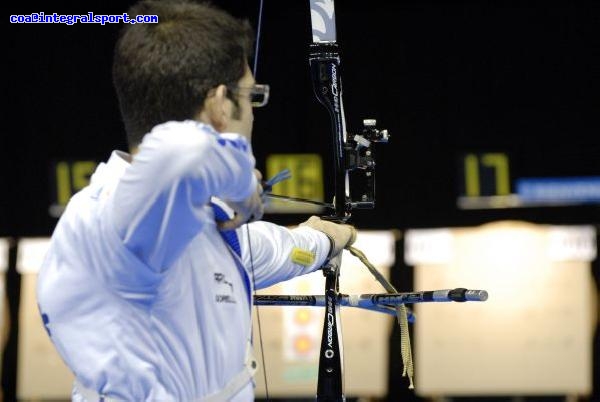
column 139, row 292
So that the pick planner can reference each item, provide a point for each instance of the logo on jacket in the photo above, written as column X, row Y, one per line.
column 224, row 289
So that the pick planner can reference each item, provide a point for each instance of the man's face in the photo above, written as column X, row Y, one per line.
column 240, row 121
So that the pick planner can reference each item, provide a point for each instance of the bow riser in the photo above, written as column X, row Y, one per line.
column 324, row 61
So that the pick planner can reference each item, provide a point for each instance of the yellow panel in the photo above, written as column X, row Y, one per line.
column 306, row 181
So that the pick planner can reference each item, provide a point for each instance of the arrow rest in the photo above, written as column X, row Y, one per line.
column 324, row 61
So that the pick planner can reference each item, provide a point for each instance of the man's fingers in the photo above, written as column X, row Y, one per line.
column 237, row 221
column 249, row 210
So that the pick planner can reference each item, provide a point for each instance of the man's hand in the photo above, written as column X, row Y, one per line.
column 249, row 210
column 341, row 235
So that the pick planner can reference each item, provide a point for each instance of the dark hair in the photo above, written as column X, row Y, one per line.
column 164, row 71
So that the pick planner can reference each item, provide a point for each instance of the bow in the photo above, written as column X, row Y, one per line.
column 354, row 188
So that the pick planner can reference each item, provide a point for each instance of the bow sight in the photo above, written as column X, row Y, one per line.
column 360, row 164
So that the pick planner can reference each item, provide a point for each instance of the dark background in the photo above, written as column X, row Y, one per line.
column 445, row 78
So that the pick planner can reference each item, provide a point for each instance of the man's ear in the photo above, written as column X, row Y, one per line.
column 216, row 110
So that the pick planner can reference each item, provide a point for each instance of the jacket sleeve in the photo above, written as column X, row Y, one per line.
column 274, row 253
column 160, row 203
